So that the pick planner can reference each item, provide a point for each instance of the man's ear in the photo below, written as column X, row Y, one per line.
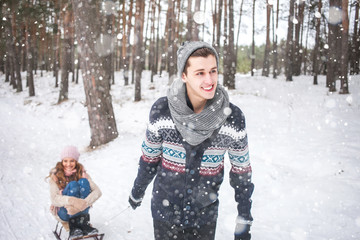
column 183, row 77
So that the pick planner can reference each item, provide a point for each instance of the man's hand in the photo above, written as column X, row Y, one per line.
column 242, row 230
column 134, row 203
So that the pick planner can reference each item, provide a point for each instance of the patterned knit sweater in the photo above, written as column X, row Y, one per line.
column 187, row 178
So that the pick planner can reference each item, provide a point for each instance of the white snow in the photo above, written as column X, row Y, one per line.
column 304, row 148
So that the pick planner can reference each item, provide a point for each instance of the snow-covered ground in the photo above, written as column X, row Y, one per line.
column 304, row 149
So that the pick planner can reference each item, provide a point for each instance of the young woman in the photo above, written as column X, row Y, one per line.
column 72, row 192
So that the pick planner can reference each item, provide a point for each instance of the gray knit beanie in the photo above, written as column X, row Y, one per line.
column 186, row 49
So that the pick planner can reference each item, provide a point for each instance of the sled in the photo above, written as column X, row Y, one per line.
column 58, row 230
column 93, row 236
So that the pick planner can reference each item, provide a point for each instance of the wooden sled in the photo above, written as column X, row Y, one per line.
column 65, row 225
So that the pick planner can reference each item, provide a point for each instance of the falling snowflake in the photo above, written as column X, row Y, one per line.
column 335, row 15
column 199, row 17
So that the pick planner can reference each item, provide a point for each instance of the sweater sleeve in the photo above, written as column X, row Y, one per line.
column 95, row 193
column 57, row 199
column 151, row 155
column 240, row 173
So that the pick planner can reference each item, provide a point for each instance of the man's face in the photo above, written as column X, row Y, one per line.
column 201, row 78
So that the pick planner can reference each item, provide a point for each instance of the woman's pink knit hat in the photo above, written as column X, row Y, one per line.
column 70, row 152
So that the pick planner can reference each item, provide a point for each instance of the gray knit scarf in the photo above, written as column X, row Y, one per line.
column 197, row 127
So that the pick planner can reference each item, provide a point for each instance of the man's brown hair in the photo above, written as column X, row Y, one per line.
column 201, row 52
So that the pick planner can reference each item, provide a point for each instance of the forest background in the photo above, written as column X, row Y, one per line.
column 98, row 38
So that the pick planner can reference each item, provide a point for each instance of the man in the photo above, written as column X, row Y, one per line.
column 188, row 134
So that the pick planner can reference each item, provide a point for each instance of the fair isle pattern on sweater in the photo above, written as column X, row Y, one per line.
column 174, row 156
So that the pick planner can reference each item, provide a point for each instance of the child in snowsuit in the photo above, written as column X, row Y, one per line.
column 72, row 192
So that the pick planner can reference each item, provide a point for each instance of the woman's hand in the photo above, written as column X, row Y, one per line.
column 76, row 205
column 71, row 210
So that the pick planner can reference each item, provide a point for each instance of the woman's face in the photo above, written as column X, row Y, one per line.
column 69, row 163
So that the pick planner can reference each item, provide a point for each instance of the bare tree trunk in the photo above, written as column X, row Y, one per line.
column 121, row 53
column 146, row 37
column 214, row 19
column 230, row 65
column 77, row 69
column 128, row 48
column 275, row 47
column 152, row 52
column 297, row 46
column 218, row 26
column 2, row 56
column 253, row 42
column 109, row 45
column 23, row 55
column 113, row 55
column 7, row 69
column 157, row 58
column 10, row 51
column 238, row 30
column 139, row 27
column 133, row 56
column 289, row 44
column 316, row 56
column 17, row 63
column 66, row 54
column 163, row 55
column 2, row 52
column 119, row 45
column 56, row 47
column 35, row 51
column 344, row 87
column 42, row 47
column 189, row 22
column 98, row 99
column 357, row 51
column 12, row 67
column 171, row 38
column 176, row 36
column 354, row 56
column 357, row 69
column 195, row 28
column 332, row 63
column 29, row 61
column 47, row 51
column 266, row 64
column 225, row 42
column 72, row 48
column 2, row 62
column 305, row 57
column 165, row 43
